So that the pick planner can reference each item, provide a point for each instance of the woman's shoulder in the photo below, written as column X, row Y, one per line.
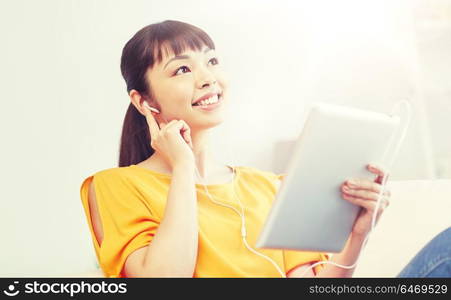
column 108, row 172
column 259, row 174
column 264, row 181
column 111, row 184
column 114, row 171
column 111, row 176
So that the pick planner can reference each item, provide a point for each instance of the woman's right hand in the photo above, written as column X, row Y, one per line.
column 171, row 140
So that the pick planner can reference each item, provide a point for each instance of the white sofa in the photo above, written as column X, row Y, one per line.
column 419, row 210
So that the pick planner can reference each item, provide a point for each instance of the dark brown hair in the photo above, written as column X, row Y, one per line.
column 140, row 53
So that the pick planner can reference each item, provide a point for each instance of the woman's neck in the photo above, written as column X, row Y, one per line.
column 203, row 162
column 206, row 165
column 210, row 173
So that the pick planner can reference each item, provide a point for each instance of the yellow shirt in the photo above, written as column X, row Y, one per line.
column 131, row 202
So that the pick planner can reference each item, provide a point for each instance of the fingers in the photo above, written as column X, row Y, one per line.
column 379, row 171
column 370, row 205
column 181, row 127
column 187, row 138
column 162, row 128
column 364, row 193
column 152, row 123
column 185, row 131
column 166, row 126
column 365, row 184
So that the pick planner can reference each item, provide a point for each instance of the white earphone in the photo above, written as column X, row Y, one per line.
column 151, row 108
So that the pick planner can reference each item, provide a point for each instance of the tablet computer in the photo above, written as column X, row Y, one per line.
column 336, row 143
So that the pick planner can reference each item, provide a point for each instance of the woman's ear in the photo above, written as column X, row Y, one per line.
column 136, row 99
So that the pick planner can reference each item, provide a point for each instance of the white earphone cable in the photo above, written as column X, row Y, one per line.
column 243, row 220
column 242, row 216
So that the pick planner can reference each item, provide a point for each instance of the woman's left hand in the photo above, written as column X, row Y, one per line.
column 364, row 193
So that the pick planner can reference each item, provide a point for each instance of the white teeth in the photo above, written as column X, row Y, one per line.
column 210, row 100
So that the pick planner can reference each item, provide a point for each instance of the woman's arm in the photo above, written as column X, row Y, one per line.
column 347, row 257
column 173, row 250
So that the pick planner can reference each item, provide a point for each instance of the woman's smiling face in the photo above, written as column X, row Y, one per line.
column 177, row 82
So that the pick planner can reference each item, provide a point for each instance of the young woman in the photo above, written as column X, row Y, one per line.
column 152, row 217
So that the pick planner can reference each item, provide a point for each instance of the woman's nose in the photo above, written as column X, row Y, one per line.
column 206, row 78
column 209, row 83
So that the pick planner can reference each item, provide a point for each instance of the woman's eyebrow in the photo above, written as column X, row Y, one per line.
column 183, row 57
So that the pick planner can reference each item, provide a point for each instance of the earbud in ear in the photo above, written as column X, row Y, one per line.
column 151, row 108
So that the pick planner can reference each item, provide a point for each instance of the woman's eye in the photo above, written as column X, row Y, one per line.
column 215, row 60
column 181, row 68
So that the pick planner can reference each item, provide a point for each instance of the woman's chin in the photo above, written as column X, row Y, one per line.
column 209, row 118
column 210, row 123
column 206, row 122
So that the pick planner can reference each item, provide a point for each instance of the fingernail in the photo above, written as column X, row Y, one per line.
column 351, row 183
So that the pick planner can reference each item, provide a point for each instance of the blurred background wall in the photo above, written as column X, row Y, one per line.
column 64, row 99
